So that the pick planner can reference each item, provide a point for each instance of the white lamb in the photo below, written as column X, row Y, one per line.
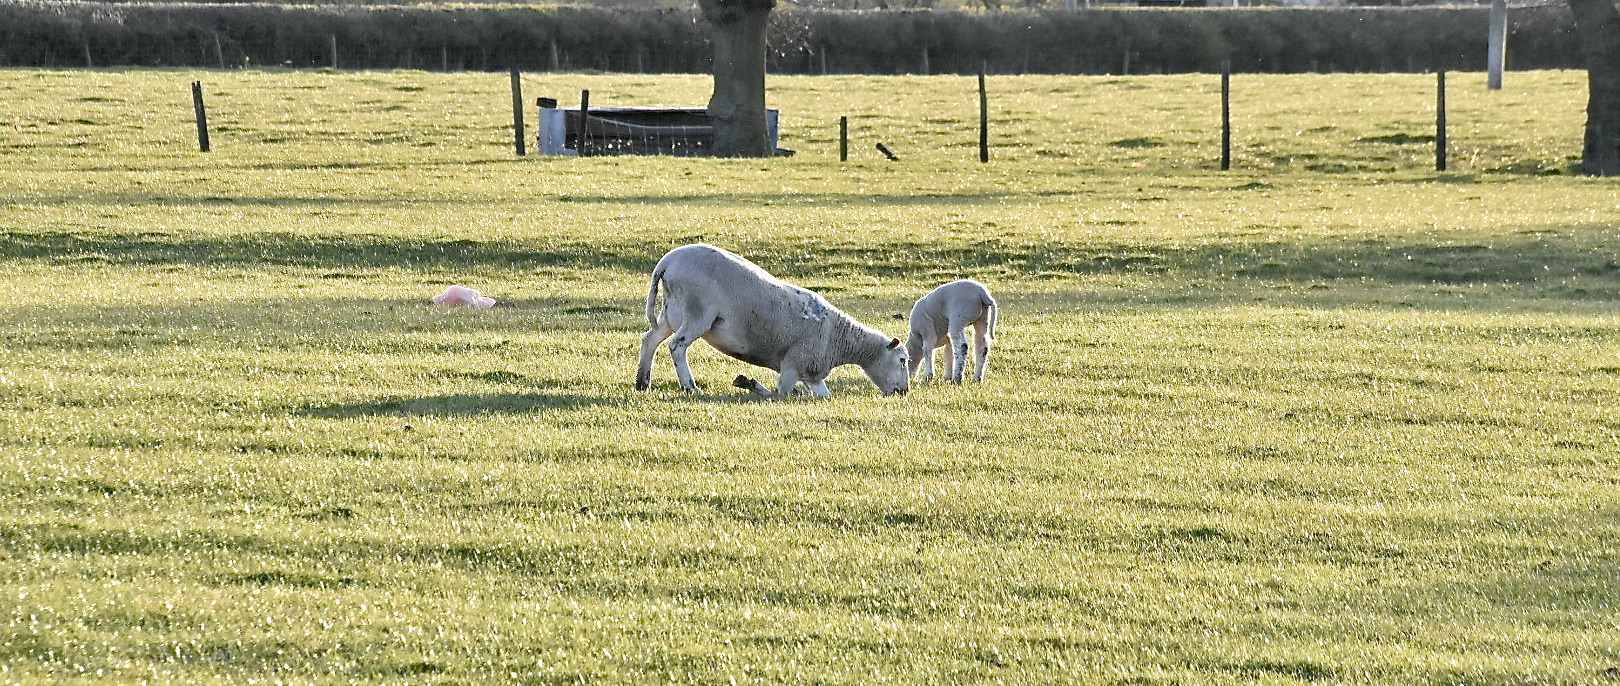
column 942, row 317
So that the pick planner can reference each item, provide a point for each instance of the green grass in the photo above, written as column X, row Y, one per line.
column 1329, row 417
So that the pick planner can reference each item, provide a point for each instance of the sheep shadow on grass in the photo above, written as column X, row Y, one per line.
column 457, row 405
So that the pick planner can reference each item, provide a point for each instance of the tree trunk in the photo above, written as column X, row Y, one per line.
column 738, row 104
column 1597, row 23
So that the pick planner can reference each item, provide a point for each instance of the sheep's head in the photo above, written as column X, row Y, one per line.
column 890, row 372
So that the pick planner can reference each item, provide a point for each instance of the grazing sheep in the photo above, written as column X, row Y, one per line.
column 748, row 314
column 942, row 317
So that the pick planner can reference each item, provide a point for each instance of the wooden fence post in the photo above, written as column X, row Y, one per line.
column 984, row 119
column 1226, row 115
column 843, row 139
column 517, row 111
column 584, row 142
column 1440, row 121
column 202, row 115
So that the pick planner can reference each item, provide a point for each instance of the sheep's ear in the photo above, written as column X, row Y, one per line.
column 894, row 343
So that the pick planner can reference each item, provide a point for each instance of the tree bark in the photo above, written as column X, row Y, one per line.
column 1597, row 23
column 738, row 104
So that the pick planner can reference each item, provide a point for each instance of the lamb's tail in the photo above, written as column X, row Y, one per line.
column 990, row 331
column 652, row 295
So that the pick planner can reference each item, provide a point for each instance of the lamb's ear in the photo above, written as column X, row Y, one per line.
column 894, row 343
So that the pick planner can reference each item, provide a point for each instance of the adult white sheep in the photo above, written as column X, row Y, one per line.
column 943, row 316
column 748, row 314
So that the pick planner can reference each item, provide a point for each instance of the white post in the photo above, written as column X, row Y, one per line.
column 1496, row 46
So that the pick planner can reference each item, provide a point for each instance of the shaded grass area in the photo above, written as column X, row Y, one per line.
column 1564, row 262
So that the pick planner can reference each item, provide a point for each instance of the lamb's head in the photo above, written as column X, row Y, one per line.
column 889, row 371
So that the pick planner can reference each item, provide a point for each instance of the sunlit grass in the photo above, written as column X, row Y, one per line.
column 1328, row 417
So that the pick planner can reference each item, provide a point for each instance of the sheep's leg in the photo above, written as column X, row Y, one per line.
column 649, row 348
column 688, row 333
column 956, row 364
column 818, row 388
column 786, row 381
column 928, row 365
column 683, row 373
column 981, row 341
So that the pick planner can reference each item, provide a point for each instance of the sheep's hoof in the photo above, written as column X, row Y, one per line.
column 750, row 385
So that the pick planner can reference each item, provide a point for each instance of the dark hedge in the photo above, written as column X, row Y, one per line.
column 1098, row 41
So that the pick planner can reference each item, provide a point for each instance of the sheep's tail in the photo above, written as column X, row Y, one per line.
column 652, row 295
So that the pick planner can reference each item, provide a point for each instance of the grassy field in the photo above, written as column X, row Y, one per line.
column 1328, row 417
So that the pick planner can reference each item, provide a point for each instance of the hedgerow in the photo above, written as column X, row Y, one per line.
column 1096, row 41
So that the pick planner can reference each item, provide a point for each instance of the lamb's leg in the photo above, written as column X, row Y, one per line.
column 649, row 348
column 981, row 341
column 928, row 365
column 956, row 364
column 819, row 389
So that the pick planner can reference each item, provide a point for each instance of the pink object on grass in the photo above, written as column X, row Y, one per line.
column 461, row 296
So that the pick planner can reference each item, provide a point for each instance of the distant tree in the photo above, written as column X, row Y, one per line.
column 738, row 103
column 1597, row 24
